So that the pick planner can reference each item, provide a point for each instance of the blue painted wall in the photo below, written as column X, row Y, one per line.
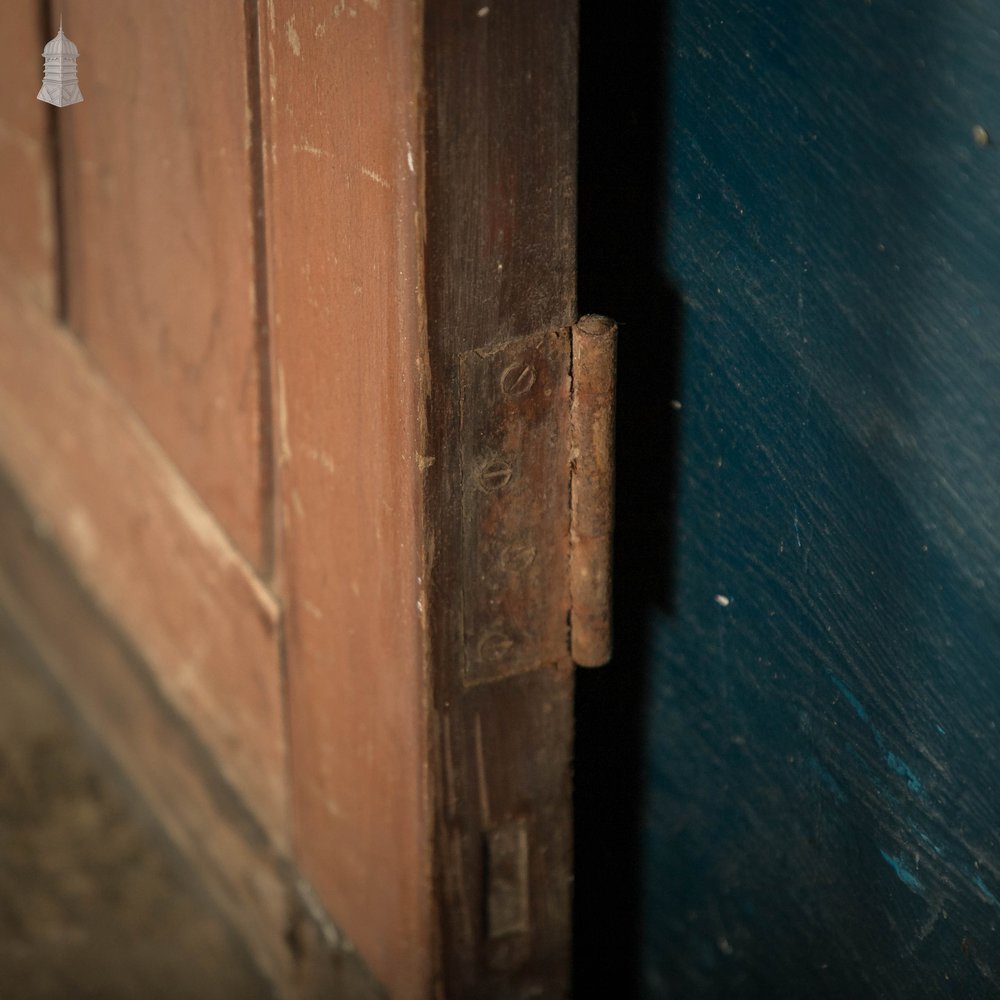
column 809, row 573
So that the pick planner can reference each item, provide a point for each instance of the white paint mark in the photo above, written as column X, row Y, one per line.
column 409, row 159
column 285, row 448
column 675, row 404
column 294, row 41
column 312, row 150
column 320, row 29
column 373, row 175
column 322, row 458
column 331, row 933
column 722, row 600
column 424, row 462
column 482, row 12
column 313, row 610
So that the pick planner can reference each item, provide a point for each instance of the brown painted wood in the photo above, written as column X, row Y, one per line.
column 418, row 188
column 149, row 551
column 501, row 108
column 115, row 694
column 343, row 163
column 158, row 215
column 27, row 243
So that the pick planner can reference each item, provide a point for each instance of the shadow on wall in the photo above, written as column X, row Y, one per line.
column 821, row 726
column 623, row 147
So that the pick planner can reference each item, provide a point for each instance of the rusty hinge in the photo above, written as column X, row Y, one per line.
column 537, row 426
column 592, row 488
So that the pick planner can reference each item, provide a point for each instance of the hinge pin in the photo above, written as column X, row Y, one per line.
column 592, row 428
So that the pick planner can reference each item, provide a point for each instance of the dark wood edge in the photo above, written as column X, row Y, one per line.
column 499, row 264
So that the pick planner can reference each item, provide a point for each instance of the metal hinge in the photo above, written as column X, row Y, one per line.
column 537, row 426
column 592, row 488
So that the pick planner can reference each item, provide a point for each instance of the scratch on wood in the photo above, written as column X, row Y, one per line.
column 373, row 175
column 312, row 150
column 194, row 514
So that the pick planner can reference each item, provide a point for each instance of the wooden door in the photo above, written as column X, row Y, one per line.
column 252, row 290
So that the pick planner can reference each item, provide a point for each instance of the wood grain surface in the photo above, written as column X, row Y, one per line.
column 343, row 160
column 500, row 264
column 159, row 211
column 27, row 219
column 149, row 551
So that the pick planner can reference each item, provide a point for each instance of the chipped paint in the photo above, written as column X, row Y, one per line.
column 903, row 873
column 294, row 42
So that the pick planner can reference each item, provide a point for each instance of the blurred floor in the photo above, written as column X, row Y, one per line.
column 93, row 902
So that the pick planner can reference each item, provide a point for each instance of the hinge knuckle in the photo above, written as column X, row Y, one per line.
column 592, row 420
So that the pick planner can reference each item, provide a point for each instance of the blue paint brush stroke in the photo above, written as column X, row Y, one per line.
column 981, row 886
column 901, row 768
column 902, row 872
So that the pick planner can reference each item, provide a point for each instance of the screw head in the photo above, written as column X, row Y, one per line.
column 494, row 474
column 494, row 646
column 517, row 558
column 517, row 379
